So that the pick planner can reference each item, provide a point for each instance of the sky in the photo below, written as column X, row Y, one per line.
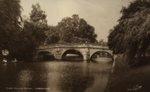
column 103, row 15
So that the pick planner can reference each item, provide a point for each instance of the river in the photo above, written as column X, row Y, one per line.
column 55, row 76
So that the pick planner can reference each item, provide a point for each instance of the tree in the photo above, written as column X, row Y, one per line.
column 10, row 11
column 30, row 38
column 134, row 25
column 137, row 39
column 37, row 15
column 52, row 35
column 39, row 23
column 115, row 40
column 76, row 30
column 33, row 33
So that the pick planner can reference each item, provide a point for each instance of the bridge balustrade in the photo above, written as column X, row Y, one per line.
column 91, row 45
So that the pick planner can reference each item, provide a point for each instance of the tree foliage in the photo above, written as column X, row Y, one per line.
column 10, row 11
column 22, row 41
column 115, row 40
column 52, row 35
column 30, row 38
column 33, row 33
column 74, row 30
column 133, row 31
column 37, row 14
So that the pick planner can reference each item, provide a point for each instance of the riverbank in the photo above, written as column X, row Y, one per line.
column 125, row 79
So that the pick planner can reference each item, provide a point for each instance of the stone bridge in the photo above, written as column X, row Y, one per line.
column 86, row 50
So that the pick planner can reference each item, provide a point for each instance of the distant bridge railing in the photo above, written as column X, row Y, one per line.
column 76, row 44
column 91, row 45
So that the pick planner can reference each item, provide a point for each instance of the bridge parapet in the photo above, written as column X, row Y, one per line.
column 72, row 45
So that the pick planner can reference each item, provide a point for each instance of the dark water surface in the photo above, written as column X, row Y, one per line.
column 55, row 76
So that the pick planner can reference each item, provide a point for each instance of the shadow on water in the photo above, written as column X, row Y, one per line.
column 102, row 57
column 73, row 58
column 77, row 80
column 107, row 60
column 45, row 56
column 21, row 77
column 78, row 84
column 54, row 76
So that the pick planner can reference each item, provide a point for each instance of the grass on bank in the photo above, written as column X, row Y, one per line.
column 125, row 79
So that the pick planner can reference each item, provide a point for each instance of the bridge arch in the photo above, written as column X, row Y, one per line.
column 73, row 54
column 45, row 55
column 101, row 53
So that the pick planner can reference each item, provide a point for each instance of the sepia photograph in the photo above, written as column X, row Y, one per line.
column 74, row 45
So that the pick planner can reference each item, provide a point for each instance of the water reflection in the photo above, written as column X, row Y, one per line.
column 25, row 77
column 8, row 77
column 77, row 78
column 55, row 76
